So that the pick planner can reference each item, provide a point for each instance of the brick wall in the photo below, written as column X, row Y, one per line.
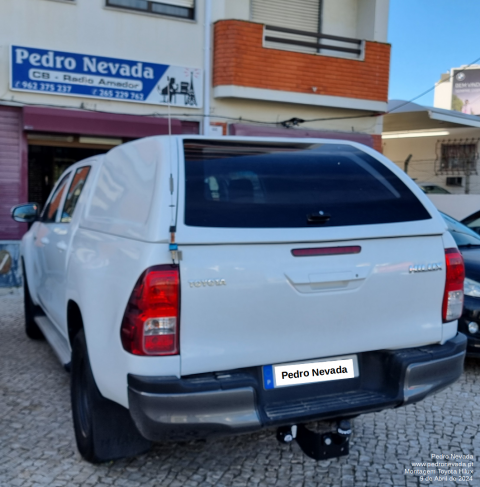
column 377, row 143
column 241, row 60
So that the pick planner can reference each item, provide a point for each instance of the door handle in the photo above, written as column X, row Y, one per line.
column 61, row 246
column 45, row 240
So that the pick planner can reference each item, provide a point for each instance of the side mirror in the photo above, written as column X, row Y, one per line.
column 26, row 213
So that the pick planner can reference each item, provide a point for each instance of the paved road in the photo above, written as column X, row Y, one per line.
column 37, row 446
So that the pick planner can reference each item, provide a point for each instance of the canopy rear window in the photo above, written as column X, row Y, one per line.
column 281, row 185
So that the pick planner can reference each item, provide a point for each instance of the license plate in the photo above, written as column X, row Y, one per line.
column 324, row 370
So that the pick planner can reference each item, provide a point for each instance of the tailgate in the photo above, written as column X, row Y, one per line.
column 247, row 305
column 246, row 299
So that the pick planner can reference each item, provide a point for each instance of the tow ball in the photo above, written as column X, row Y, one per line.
column 319, row 446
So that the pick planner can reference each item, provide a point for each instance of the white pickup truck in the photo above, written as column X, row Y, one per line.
column 198, row 287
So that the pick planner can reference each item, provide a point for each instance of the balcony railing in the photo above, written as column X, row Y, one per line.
column 341, row 46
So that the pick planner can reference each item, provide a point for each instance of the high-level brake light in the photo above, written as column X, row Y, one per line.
column 352, row 249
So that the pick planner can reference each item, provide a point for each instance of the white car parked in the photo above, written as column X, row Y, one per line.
column 198, row 287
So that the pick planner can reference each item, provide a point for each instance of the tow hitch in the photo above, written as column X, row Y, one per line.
column 319, row 446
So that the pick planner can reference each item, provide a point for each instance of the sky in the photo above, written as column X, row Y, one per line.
column 428, row 38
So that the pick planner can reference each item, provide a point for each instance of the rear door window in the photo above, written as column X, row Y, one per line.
column 51, row 210
column 76, row 186
column 291, row 185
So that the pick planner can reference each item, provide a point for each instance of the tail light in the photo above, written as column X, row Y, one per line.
column 453, row 297
column 151, row 320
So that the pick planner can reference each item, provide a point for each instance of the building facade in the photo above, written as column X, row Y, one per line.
column 78, row 77
column 436, row 147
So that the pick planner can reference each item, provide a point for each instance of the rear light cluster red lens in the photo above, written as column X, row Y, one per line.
column 354, row 249
column 151, row 321
column 453, row 297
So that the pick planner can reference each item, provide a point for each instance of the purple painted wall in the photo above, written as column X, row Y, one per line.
column 190, row 128
column 41, row 119
column 13, row 171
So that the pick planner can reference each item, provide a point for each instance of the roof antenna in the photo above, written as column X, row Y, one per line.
column 173, row 247
column 169, row 115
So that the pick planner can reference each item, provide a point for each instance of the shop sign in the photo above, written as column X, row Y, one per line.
column 73, row 74
column 466, row 91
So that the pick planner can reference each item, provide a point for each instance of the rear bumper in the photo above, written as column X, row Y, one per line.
column 230, row 402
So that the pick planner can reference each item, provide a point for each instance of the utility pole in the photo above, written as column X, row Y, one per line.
column 206, row 67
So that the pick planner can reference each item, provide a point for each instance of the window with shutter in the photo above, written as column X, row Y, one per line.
column 173, row 8
column 301, row 15
column 294, row 14
column 296, row 25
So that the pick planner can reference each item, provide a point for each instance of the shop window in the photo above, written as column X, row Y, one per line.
column 454, row 182
column 173, row 8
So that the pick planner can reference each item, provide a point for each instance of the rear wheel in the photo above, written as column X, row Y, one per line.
column 31, row 328
column 104, row 430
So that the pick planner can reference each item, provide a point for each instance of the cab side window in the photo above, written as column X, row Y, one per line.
column 50, row 212
column 74, row 192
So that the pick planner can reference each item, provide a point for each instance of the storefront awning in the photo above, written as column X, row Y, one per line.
column 42, row 119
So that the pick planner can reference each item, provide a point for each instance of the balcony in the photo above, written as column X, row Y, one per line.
column 301, row 41
column 272, row 63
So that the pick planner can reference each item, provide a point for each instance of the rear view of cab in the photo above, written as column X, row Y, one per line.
column 316, row 281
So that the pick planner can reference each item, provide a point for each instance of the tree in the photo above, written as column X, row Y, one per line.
column 457, row 104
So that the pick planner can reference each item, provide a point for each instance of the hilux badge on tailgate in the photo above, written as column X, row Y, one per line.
column 425, row 267
column 207, row 282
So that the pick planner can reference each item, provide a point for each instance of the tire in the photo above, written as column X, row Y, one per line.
column 31, row 328
column 104, row 430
